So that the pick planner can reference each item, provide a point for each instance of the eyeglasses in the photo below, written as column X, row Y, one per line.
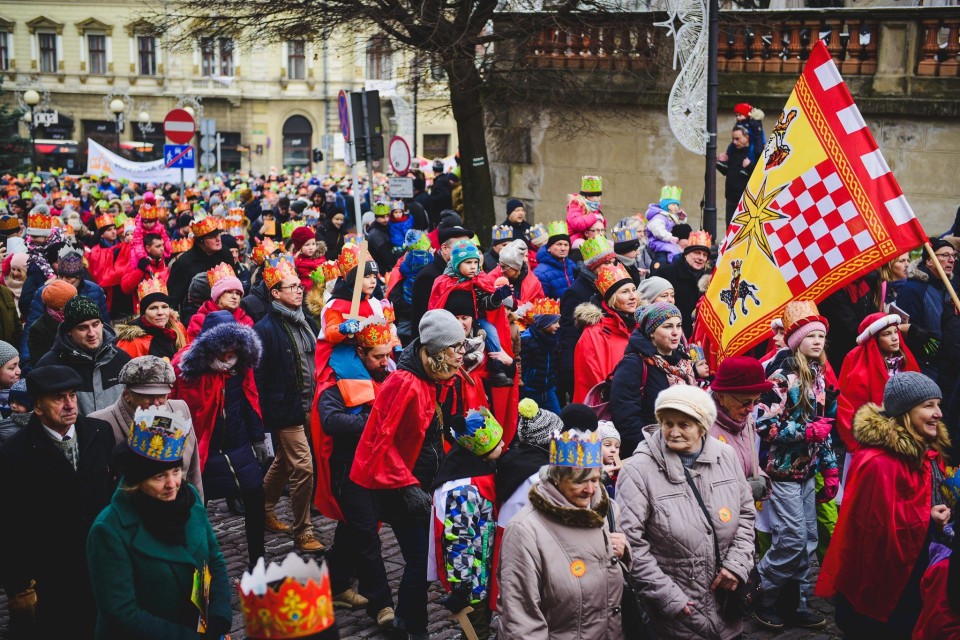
column 947, row 256
column 746, row 403
column 460, row 347
column 292, row 287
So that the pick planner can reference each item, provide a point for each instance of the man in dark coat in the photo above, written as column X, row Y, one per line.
column 924, row 296
column 684, row 274
column 423, row 285
column 735, row 164
column 256, row 304
column 56, row 478
column 378, row 240
column 206, row 253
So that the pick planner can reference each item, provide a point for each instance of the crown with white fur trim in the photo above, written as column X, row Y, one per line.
column 877, row 326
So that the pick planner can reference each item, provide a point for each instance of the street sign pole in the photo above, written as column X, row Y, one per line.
column 181, row 185
column 366, row 140
column 355, row 173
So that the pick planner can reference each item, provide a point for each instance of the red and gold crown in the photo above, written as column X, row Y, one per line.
column 183, row 207
column 290, row 600
column 546, row 307
column 374, row 332
column 219, row 272
column 389, row 314
column 608, row 275
column 9, row 222
column 180, row 245
column 104, row 221
column 331, row 271
column 262, row 249
column 275, row 269
column 39, row 221
column 700, row 239
column 349, row 258
column 150, row 286
column 149, row 212
column 203, row 224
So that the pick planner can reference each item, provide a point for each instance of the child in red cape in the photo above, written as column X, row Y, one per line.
column 307, row 254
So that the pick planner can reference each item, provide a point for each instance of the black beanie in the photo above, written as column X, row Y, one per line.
column 621, row 248
column 460, row 303
column 681, row 231
column 579, row 416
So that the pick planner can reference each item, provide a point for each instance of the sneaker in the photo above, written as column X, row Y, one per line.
column 349, row 599
column 806, row 620
column 275, row 524
column 385, row 618
column 769, row 618
column 308, row 544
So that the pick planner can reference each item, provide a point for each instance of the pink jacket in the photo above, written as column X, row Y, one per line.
column 579, row 218
column 136, row 246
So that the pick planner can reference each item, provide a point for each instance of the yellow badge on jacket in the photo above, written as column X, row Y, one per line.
column 724, row 514
column 578, row 568
column 722, row 439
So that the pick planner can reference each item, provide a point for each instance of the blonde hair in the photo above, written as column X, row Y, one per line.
column 807, row 378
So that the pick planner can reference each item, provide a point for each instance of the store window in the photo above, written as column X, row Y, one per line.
column 297, row 139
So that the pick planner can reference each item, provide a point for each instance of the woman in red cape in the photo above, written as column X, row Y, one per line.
column 879, row 548
column 880, row 353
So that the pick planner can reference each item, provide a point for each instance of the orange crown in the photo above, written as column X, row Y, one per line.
column 149, row 286
column 149, row 212
column 331, row 270
column 389, row 314
column 181, row 245
column 39, row 221
column 546, row 307
column 204, row 224
column 219, row 272
column 700, row 239
column 104, row 221
column 349, row 258
column 301, row 605
column 608, row 275
column 183, row 207
column 276, row 269
column 262, row 249
column 374, row 332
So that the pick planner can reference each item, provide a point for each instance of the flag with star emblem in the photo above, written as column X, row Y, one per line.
column 821, row 209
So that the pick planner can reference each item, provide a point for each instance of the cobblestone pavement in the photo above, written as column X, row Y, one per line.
column 356, row 624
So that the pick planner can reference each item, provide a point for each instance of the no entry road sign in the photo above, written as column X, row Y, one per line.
column 179, row 126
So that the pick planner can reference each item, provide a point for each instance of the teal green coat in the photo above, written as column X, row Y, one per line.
column 142, row 586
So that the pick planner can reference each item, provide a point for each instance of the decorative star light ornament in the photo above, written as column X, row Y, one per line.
column 687, row 105
column 756, row 212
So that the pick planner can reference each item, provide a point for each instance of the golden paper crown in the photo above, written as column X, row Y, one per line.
column 592, row 185
column 389, row 314
column 374, row 331
column 219, row 272
column 181, row 245
column 349, row 258
column 149, row 212
column 262, row 249
column 700, row 239
column 573, row 448
column 158, row 434
column 275, row 269
column 9, row 222
column 546, row 307
column 800, row 312
column 39, row 221
column 609, row 275
column 149, row 286
column 331, row 270
column 203, row 224
column 290, row 600
column 104, row 221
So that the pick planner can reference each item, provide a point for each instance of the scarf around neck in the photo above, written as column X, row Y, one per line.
column 728, row 424
column 679, row 373
column 165, row 520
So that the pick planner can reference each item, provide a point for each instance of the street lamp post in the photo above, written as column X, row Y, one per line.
column 32, row 98
column 144, row 125
column 117, row 107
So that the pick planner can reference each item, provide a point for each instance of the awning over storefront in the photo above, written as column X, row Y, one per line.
column 56, row 146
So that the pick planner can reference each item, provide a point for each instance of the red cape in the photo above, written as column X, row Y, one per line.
column 204, row 396
column 444, row 285
column 530, row 288
column 107, row 268
column 598, row 351
column 937, row 620
column 880, row 532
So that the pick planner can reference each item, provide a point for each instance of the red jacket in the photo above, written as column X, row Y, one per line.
column 937, row 620
column 598, row 351
column 530, row 288
column 305, row 266
column 196, row 322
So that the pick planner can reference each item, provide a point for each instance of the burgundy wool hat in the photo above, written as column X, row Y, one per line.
column 741, row 374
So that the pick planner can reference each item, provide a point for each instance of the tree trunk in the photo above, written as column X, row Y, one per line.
column 464, row 80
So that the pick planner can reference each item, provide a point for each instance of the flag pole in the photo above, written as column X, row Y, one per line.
column 943, row 276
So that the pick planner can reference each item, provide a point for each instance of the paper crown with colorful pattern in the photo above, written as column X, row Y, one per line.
column 204, row 224
column 574, row 448
column 289, row 600
column 104, row 221
column 502, row 233
column 591, row 185
column 595, row 250
column 389, row 313
column 546, row 307
column 39, row 224
column 624, row 234
column 158, row 434
column 149, row 286
column 262, row 249
column 331, row 271
column 180, row 245
column 381, row 209
column 700, row 239
column 276, row 268
column 219, row 272
column 148, row 211
column 696, row 353
column 538, row 234
column 557, row 228
column 482, row 432
column 348, row 259
column 609, row 275
column 374, row 332
column 287, row 228
column 670, row 194
column 9, row 223
column 317, row 276
column 416, row 240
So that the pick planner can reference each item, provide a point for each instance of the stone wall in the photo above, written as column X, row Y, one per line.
column 636, row 156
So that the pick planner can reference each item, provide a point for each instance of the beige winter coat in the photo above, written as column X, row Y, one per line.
column 120, row 417
column 670, row 540
column 558, row 576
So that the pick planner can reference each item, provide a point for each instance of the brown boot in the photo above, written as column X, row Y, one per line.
column 385, row 618
column 349, row 599
column 308, row 544
column 276, row 525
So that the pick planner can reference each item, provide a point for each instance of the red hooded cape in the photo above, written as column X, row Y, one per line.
column 107, row 268
column 396, row 427
column 862, row 379
column 598, row 351
column 204, row 396
column 530, row 288
column 880, row 532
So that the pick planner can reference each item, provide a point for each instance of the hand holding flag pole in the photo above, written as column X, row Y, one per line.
column 943, row 275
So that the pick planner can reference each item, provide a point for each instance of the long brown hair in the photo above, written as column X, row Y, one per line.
column 806, row 377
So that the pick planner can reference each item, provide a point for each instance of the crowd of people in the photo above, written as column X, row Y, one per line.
column 522, row 405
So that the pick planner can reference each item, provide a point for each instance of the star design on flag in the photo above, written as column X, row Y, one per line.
column 756, row 212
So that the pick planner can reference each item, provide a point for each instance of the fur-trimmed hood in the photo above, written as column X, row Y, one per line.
column 704, row 282
column 315, row 302
column 587, row 314
column 873, row 429
column 133, row 331
column 546, row 499
column 225, row 337
column 915, row 272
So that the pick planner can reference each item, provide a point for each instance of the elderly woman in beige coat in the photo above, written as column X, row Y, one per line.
column 559, row 573
column 671, row 543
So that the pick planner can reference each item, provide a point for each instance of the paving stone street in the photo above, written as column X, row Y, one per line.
column 356, row 624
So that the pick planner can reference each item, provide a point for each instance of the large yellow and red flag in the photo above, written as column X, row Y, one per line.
column 821, row 209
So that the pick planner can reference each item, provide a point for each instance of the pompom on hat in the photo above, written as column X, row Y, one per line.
column 535, row 424
column 741, row 374
column 801, row 318
column 690, row 401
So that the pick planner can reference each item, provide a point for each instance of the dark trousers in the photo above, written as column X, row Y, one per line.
column 413, row 538
column 356, row 545
column 254, row 522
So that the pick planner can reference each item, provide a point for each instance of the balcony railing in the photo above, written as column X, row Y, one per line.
column 940, row 48
column 614, row 47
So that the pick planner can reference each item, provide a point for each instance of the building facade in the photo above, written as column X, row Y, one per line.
column 273, row 104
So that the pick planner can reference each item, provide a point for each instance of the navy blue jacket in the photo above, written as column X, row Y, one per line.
column 556, row 277
column 540, row 354
column 277, row 374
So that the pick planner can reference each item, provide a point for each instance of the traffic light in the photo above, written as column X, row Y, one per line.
column 317, row 155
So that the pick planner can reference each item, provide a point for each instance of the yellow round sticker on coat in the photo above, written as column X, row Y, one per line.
column 578, row 568
column 724, row 514
column 722, row 439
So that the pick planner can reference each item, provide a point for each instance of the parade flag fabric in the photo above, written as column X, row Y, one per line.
column 821, row 209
